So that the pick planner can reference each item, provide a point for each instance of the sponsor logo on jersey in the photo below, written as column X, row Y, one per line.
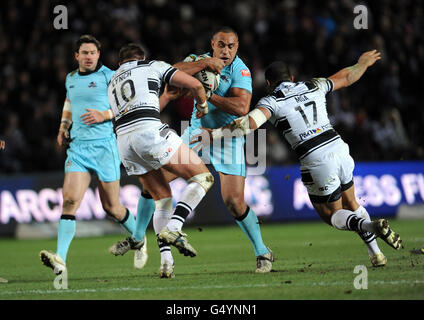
column 306, row 134
column 245, row 73
column 92, row 84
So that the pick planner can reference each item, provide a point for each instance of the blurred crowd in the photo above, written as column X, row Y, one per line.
column 381, row 117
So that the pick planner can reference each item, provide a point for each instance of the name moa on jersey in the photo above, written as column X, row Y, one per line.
column 301, row 98
column 306, row 134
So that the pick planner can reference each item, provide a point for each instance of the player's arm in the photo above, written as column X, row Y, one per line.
column 181, row 79
column 170, row 93
column 237, row 128
column 236, row 103
column 93, row 116
column 192, row 67
column 65, row 122
column 350, row 75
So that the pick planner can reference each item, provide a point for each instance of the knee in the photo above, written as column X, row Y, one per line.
column 206, row 180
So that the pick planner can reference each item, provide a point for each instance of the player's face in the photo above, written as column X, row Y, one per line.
column 225, row 46
column 87, row 57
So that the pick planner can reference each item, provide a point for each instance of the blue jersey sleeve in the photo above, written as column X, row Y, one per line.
column 108, row 73
column 242, row 77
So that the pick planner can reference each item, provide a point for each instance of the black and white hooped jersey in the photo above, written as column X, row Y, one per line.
column 133, row 92
column 299, row 112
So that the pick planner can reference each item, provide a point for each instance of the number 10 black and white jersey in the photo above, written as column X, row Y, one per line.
column 133, row 92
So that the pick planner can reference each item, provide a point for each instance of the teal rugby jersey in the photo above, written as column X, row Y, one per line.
column 89, row 90
column 236, row 75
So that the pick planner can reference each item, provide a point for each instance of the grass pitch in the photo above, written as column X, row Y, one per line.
column 313, row 261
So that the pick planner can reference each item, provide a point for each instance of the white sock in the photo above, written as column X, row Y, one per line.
column 347, row 220
column 191, row 197
column 160, row 220
column 368, row 237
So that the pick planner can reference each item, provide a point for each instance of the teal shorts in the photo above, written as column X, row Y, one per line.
column 226, row 155
column 98, row 156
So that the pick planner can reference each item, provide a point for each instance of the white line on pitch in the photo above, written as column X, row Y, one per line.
column 105, row 290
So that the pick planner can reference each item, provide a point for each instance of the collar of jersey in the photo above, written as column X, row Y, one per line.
column 86, row 73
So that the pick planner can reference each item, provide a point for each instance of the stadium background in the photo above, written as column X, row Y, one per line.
column 380, row 117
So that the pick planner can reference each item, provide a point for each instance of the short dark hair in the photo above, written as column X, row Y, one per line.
column 87, row 38
column 225, row 29
column 131, row 51
column 277, row 72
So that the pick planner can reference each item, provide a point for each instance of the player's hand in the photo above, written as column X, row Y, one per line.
column 214, row 64
column 92, row 116
column 199, row 114
column 173, row 93
column 202, row 139
column 2, row 144
column 62, row 137
column 369, row 58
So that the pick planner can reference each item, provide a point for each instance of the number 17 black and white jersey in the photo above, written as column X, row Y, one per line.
column 133, row 92
column 299, row 112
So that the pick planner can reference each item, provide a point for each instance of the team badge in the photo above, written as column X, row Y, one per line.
column 245, row 73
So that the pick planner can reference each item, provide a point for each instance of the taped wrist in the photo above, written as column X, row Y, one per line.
column 65, row 124
column 241, row 126
column 108, row 115
column 202, row 107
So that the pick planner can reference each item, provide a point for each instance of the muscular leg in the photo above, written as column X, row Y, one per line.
column 73, row 190
column 162, row 208
column 334, row 215
column 199, row 182
column 109, row 196
column 349, row 202
column 232, row 191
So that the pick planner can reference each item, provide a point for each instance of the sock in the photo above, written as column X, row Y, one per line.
column 160, row 220
column 347, row 220
column 191, row 197
column 65, row 234
column 249, row 223
column 369, row 238
column 145, row 210
column 128, row 222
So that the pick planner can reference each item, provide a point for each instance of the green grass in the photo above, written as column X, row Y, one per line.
column 313, row 261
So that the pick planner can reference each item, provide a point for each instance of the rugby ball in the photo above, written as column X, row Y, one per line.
column 209, row 79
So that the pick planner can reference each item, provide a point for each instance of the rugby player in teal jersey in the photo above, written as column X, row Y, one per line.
column 92, row 149
column 230, row 101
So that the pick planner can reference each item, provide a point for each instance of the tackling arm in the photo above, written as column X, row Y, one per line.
column 213, row 64
column 244, row 125
column 350, row 75
column 236, row 104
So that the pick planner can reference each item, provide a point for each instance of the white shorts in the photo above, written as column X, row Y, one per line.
column 329, row 173
column 148, row 147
